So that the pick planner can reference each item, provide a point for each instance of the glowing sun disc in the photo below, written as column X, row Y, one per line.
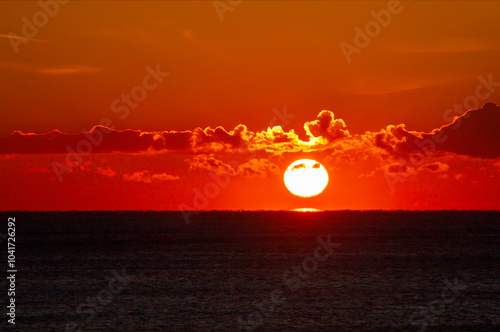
column 306, row 178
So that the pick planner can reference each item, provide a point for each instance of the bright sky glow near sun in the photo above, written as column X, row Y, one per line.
column 181, row 105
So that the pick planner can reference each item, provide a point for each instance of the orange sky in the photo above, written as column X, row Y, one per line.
column 264, row 64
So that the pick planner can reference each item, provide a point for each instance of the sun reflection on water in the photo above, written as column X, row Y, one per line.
column 307, row 210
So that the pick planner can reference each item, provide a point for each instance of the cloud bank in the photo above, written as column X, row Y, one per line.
column 395, row 150
column 474, row 133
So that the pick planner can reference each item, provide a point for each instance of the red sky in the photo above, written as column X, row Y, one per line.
column 222, row 107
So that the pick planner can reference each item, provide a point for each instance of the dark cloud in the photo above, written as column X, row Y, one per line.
column 252, row 168
column 234, row 138
column 174, row 140
column 148, row 177
column 209, row 163
column 398, row 168
column 298, row 166
column 435, row 167
column 98, row 140
column 394, row 140
column 258, row 168
column 473, row 134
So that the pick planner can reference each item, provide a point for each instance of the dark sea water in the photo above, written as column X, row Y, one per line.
column 256, row 271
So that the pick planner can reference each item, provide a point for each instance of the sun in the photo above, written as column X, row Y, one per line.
column 306, row 178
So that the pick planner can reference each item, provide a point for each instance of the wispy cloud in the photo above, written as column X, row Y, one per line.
column 146, row 177
column 51, row 70
column 375, row 86
column 14, row 36
column 449, row 46
column 68, row 70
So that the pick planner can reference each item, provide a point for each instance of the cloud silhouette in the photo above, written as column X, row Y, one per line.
column 326, row 126
column 476, row 133
column 258, row 168
column 147, row 177
column 435, row 167
column 205, row 162
column 473, row 134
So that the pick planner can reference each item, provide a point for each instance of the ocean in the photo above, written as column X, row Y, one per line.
column 255, row 271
